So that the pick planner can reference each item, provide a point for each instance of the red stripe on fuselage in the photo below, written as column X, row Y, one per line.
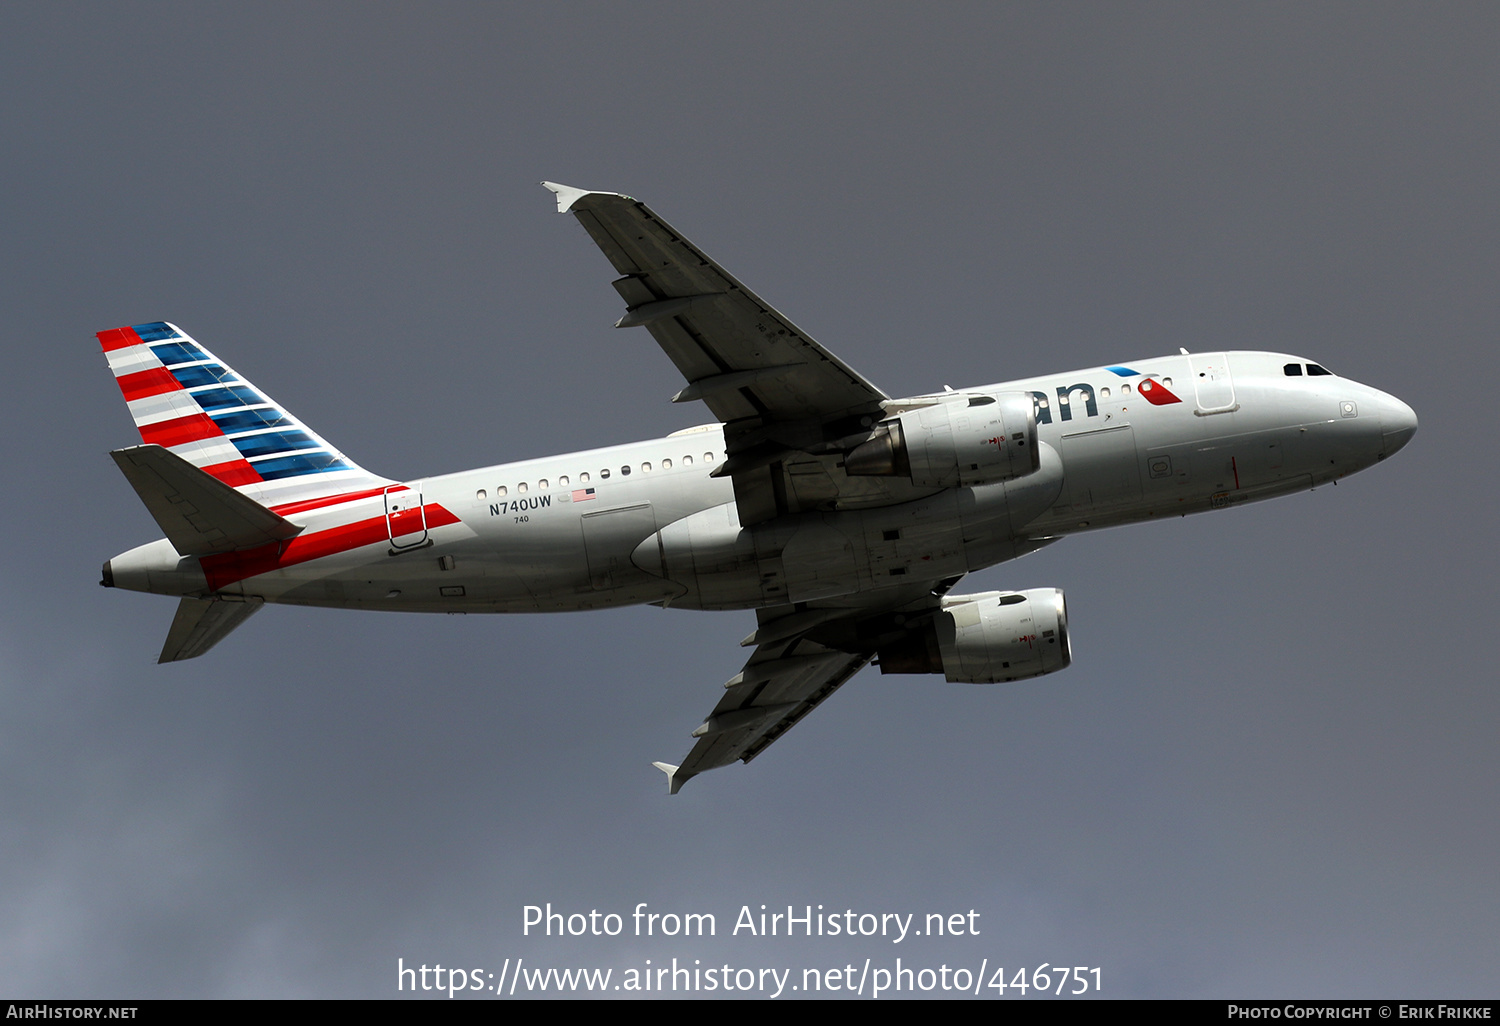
column 227, row 568
column 234, row 473
column 330, row 500
column 147, row 383
column 118, row 338
column 192, row 428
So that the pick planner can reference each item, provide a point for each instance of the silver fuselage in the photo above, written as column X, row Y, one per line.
column 646, row 523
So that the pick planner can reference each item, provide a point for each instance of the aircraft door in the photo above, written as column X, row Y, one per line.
column 1211, row 380
column 405, row 517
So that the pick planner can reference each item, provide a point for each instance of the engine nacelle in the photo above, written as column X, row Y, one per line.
column 989, row 638
column 987, row 439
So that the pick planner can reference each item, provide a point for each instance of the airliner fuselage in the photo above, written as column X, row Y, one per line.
column 645, row 523
column 842, row 516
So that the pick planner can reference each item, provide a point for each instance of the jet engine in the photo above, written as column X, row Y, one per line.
column 989, row 638
column 988, row 439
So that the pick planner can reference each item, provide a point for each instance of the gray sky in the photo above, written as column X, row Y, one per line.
column 1271, row 770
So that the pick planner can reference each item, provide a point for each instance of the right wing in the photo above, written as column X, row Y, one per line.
column 763, row 701
column 802, row 655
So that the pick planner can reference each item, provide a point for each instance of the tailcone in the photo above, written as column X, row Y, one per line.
column 156, row 568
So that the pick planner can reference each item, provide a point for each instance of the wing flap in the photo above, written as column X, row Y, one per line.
column 197, row 512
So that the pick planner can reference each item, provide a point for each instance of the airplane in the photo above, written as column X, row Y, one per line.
column 842, row 516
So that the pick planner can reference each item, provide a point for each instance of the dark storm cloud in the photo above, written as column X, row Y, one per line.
column 1271, row 768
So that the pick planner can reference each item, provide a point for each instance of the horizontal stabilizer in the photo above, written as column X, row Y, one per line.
column 201, row 624
column 198, row 513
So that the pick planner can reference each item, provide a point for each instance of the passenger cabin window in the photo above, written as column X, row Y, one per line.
column 1104, row 392
column 646, row 466
column 502, row 490
column 481, row 495
column 604, row 474
column 1313, row 370
column 1292, row 370
column 1124, row 388
column 583, row 478
column 687, row 459
column 708, row 457
column 625, row 470
column 521, row 487
column 542, row 483
column 666, row 464
column 562, row 482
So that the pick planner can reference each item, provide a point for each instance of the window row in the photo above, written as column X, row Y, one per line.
column 584, row 477
column 1125, row 388
column 1104, row 393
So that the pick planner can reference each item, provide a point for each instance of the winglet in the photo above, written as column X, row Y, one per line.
column 673, row 784
column 567, row 195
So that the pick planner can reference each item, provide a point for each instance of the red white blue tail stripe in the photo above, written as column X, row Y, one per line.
column 185, row 399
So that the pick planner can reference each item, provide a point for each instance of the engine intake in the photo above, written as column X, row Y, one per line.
column 990, row 438
column 989, row 638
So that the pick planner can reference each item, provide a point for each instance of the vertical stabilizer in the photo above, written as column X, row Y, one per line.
column 188, row 401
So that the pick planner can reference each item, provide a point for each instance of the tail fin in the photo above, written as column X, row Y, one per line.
column 185, row 399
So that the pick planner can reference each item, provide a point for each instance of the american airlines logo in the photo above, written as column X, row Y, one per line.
column 1150, row 389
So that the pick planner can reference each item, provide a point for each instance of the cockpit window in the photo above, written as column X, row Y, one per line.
column 1313, row 370
column 1292, row 370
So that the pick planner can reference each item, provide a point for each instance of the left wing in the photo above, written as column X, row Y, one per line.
column 784, row 400
column 802, row 656
column 742, row 357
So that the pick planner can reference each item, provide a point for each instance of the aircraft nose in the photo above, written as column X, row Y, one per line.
column 1398, row 423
